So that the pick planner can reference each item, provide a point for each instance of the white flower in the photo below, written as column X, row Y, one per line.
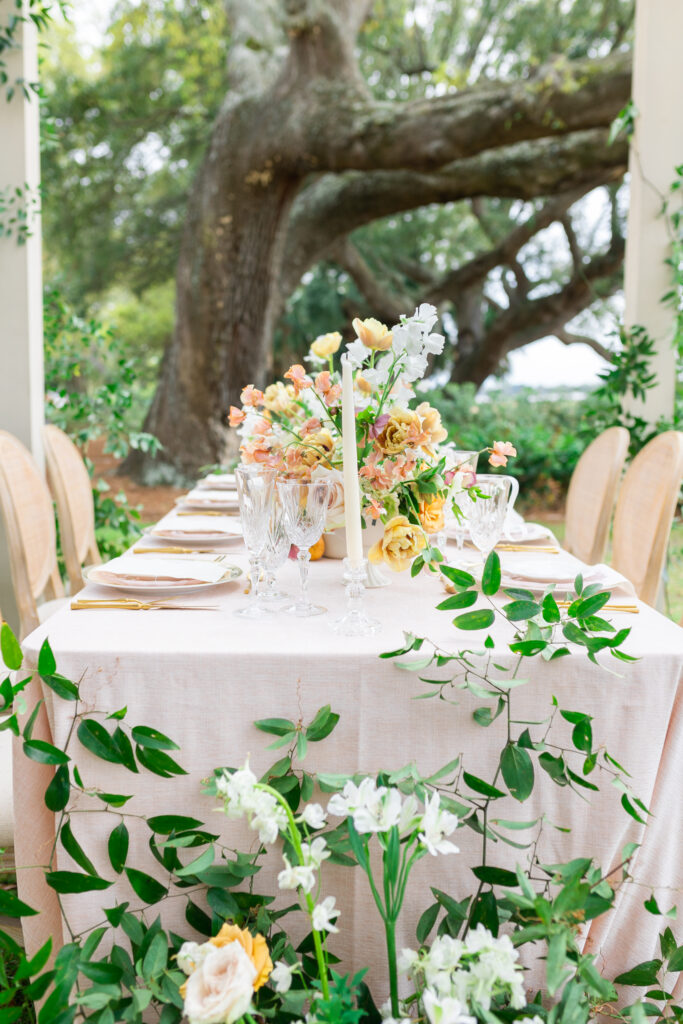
column 296, row 876
column 434, row 344
column 436, row 825
column 191, row 955
column 373, row 808
column 415, row 367
column 314, row 814
column 316, row 852
column 323, row 915
column 427, row 315
column 243, row 796
column 445, row 1010
column 357, row 352
column 281, row 976
column 410, row 815
column 385, row 1014
column 220, row 990
column 406, row 959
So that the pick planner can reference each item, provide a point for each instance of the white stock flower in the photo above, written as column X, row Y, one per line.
column 314, row 815
column 295, row 876
column 407, row 958
column 324, row 914
column 316, row 852
column 281, row 976
column 220, row 990
column 445, row 1009
column 191, row 955
column 436, row 825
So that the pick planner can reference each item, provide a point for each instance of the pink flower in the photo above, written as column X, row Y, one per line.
column 333, row 395
column 311, row 426
column 378, row 426
column 251, row 396
column 298, row 377
column 262, row 426
column 379, row 475
column 375, row 509
column 500, row 452
column 323, row 382
column 237, row 416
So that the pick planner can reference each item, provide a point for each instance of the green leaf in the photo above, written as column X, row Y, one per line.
column 10, row 649
column 276, row 726
column 73, row 881
column 95, row 738
column 301, row 745
column 457, row 576
column 644, row 973
column 64, row 688
column 490, row 580
column 495, row 876
column 125, row 749
column 46, row 660
column 74, row 849
column 158, row 762
column 144, row 886
column 556, row 961
column 518, row 611
column 101, row 973
column 481, row 619
column 44, row 753
column 28, row 728
column 582, row 736
column 145, row 736
column 427, row 922
column 551, row 611
column 528, row 648
column 35, row 965
column 199, row 864
column 591, row 605
column 114, row 799
column 223, row 903
column 479, row 786
column 164, row 824
column 322, row 725
column 12, row 906
column 463, row 600
column 117, row 847
column 518, row 771
column 156, row 957
column 676, row 960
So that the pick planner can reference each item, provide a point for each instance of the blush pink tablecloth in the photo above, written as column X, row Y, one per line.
column 204, row 677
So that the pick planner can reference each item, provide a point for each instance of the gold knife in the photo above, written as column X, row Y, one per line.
column 130, row 604
column 178, row 551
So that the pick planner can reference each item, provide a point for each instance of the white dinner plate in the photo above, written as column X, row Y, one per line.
column 526, row 533
column 181, row 536
column 218, row 482
column 226, row 504
column 162, row 588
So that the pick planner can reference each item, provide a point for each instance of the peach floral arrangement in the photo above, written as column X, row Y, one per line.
column 409, row 474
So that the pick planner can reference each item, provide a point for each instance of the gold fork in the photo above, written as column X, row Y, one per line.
column 179, row 551
column 547, row 548
column 633, row 608
column 133, row 605
column 206, row 512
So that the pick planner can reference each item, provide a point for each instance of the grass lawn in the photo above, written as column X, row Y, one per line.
column 674, row 571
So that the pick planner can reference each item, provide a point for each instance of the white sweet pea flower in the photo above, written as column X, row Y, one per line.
column 415, row 367
column 436, row 825
column 296, row 876
column 357, row 352
column 434, row 343
column 445, row 1009
column 400, row 338
column 281, row 976
column 314, row 816
column 427, row 315
column 324, row 914
column 376, row 377
column 316, row 852
column 407, row 958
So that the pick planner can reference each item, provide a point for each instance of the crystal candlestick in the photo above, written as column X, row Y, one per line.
column 355, row 621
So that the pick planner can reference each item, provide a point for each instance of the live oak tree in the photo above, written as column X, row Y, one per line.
column 339, row 113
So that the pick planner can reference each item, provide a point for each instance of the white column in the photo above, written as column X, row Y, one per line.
column 657, row 148
column 21, row 302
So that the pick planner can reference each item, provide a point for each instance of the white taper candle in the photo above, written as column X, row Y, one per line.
column 354, row 531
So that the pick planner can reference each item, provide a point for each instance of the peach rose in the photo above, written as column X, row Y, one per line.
column 326, row 345
column 317, row 448
column 431, row 514
column 431, row 422
column 401, row 430
column 220, row 990
column 253, row 945
column 373, row 334
column 401, row 542
column 278, row 398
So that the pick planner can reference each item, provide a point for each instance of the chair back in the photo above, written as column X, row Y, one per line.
column 591, row 495
column 645, row 511
column 26, row 507
column 72, row 490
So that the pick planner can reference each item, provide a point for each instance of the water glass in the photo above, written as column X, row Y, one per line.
column 486, row 515
column 255, row 489
column 458, row 524
column 305, row 506
column 276, row 550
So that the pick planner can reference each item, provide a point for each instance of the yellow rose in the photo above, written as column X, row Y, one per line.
column 363, row 385
column 431, row 422
column 326, row 344
column 318, row 446
column 373, row 334
column 277, row 398
column 403, row 425
column 253, row 945
column 401, row 542
column 431, row 514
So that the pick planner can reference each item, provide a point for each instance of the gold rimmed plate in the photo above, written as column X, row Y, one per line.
column 161, row 587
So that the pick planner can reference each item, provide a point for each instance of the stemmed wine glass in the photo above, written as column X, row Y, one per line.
column 486, row 516
column 255, row 489
column 305, row 506
column 467, row 461
column 277, row 549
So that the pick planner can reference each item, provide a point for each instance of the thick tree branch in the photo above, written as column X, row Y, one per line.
column 332, row 206
column 571, row 338
column 572, row 242
column 385, row 303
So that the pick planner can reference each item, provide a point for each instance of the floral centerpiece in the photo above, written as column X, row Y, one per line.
column 408, row 474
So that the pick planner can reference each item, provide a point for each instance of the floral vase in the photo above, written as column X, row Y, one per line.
column 335, row 547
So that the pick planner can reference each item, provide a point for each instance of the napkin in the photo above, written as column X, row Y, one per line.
column 158, row 570
column 518, row 571
column 229, row 526
column 223, row 481
column 208, row 497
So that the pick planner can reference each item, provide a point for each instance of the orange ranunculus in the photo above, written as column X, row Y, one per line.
column 431, row 514
column 237, row 416
column 253, row 945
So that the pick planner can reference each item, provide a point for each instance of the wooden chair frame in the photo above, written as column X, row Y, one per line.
column 611, row 448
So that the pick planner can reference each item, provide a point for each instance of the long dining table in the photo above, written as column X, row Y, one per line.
column 204, row 677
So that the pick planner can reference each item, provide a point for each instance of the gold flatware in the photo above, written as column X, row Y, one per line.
column 632, row 608
column 179, row 551
column 545, row 548
column 186, row 557
column 204, row 512
column 133, row 605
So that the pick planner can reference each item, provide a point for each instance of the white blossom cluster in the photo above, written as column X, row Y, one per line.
column 376, row 808
column 461, row 974
column 243, row 797
column 413, row 342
